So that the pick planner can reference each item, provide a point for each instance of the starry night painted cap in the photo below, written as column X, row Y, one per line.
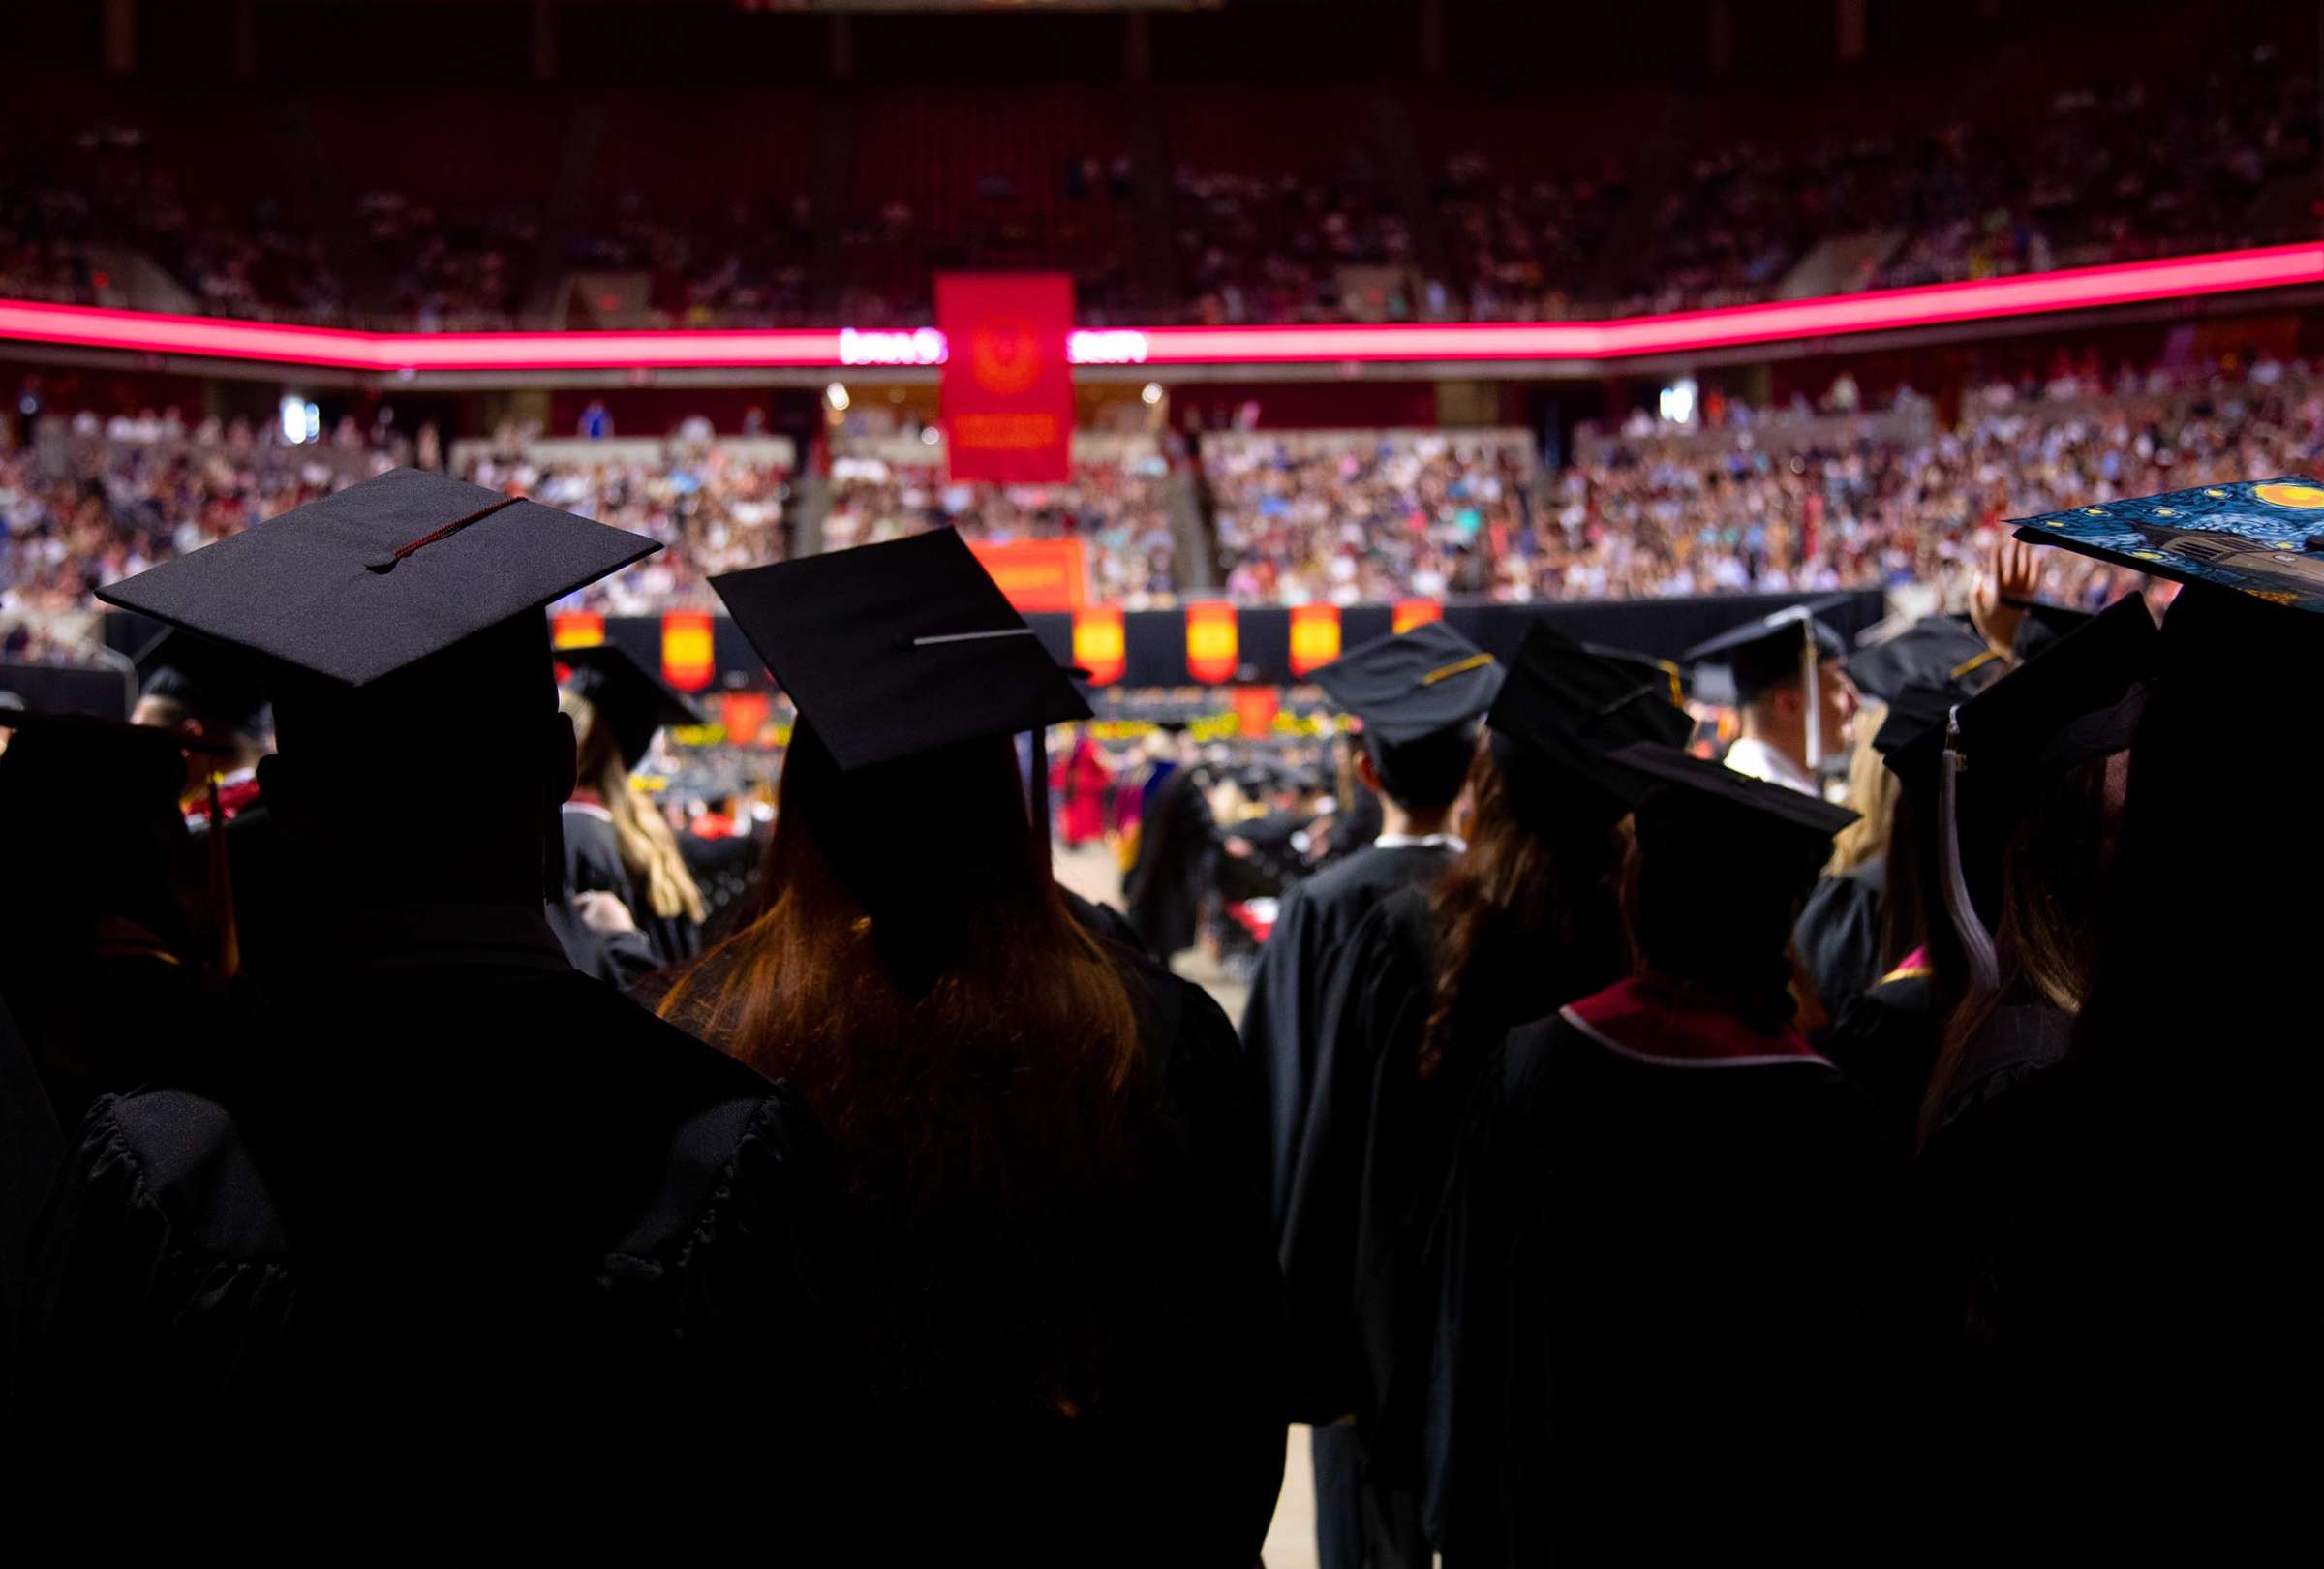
column 1413, row 684
column 890, row 650
column 379, row 576
column 2261, row 538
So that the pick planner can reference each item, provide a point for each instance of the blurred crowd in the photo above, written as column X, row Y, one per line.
column 1765, row 501
column 2116, row 172
column 1117, row 510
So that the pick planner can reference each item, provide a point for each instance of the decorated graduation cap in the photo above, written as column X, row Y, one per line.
column 2262, row 538
column 376, row 578
column 890, row 650
column 1413, row 684
column 1570, row 707
column 1737, row 665
column 1775, row 808
column 626, row 695
column 2079, row 701
column 1933, row 650
column 206, row 677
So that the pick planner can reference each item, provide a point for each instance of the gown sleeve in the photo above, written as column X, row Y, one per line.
column 1278, row 1036
column 1374, row 1004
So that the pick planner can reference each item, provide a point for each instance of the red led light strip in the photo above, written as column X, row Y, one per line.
column 1834, row 316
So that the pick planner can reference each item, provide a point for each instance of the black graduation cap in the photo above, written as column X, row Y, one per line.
column 1411, row 684
column 1646, row 667
column 1778, row 806
column 1735, row 667
column 899, row 648
column 380, row 575
column 626, row 695
column 1916, row 718
column 1934, row 649
column 1574, row 706
column 101, row 760
column 207, row 676
column 2006, row 728
column 2044, row 624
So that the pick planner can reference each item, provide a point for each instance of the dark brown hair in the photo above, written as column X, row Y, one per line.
column 971, row 1050
column 1528, row 918
column 2053, row 899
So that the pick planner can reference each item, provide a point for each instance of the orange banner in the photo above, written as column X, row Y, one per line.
column 1255, row 710
column 1036, row 575
column 1411, row 613
column 1210, row 641
column 743, row 714
column 1314, row 637
column 1099, row 646
column 576, row 629
column 689, row 658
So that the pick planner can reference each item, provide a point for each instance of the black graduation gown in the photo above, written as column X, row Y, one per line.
column 1839, row 933
column 444, row 1199
column 1284, row 1017
column 1162, row 894
column 1653, row 1274
column 724, row 869
column 1182, row 1463
column 1887, row 1042
column 1353, row 830
column 594, row 864
column 32, row 1150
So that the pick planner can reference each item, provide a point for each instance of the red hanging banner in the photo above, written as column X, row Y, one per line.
column 1255, row 711
column 576, row 629
column 1036, row 575
column 1007, row 387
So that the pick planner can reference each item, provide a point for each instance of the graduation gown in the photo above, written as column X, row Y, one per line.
column 1179, row 1464
column 1162, row 894
column 443, row 1197
column 1887, row 1042
column 592, row 862
column 1839, row 934
column 1284, row 1018
column 1652, row 1277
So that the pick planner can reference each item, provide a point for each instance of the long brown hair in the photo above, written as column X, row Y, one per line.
column 969, row 1048
column 2053, row 901
column 1528, row 918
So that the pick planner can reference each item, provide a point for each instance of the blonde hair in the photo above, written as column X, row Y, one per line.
column 1871, row 792
column 649, row 850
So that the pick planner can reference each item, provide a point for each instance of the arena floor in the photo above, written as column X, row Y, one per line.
column 1290, row 1539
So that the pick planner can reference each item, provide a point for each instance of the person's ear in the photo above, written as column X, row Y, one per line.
column 1367, row 772
column 565, row 758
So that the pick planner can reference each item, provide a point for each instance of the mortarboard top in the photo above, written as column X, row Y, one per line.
column 2006, row 728
column 1574, row 707
column 376, row 577
column 2263, row 538
column 899, row 648
column 2044, row 624
column 1667, row 673
column 1738, row 664
column 204, row 675
column 88, row 758
column 1411, row 684
column 1934, row 649
column 1779, row 805
column 627, row 696
column 1914, row 728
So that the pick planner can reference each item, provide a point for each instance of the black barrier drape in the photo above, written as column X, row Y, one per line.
column 68, row 689
column 1154, row 641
